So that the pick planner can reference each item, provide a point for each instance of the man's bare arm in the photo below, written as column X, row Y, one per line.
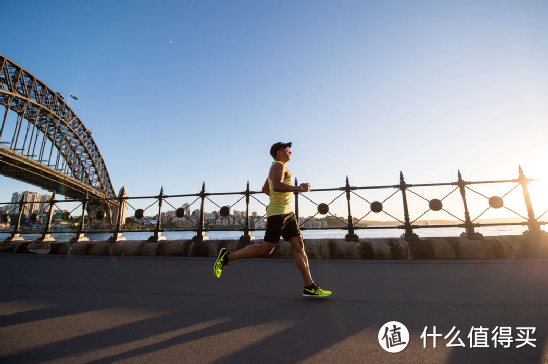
column 266, row 188
column 277, row 177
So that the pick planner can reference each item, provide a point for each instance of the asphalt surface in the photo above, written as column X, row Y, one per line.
column 172, row 310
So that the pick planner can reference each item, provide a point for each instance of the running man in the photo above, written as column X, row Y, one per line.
column 281, row 222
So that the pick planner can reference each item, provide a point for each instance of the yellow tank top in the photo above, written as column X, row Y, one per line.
column 280, row 202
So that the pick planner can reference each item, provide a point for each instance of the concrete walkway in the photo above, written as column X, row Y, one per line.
column 169, row 310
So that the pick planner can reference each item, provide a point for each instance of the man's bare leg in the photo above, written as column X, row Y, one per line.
column 301, row 259
column 253, row 251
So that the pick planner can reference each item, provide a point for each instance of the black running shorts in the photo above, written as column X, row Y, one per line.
column 281, row 225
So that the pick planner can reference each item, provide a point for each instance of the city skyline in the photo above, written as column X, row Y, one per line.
column 34, row 203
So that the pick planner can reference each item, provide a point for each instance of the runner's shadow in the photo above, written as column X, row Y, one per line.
column 41, row 314
column 221, row 328
column 311, row 335
column 123, row 335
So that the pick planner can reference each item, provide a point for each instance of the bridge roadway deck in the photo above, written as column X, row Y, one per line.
column 16, row 166
column 100, row 309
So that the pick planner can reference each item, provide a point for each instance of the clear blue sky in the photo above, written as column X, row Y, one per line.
column 180, row 92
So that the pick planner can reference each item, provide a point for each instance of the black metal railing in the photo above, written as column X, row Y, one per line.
column 198, row 223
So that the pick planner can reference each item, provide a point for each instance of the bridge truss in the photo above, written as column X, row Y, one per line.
column 50, row 146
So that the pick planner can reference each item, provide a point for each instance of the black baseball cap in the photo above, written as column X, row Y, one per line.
column 277, row 146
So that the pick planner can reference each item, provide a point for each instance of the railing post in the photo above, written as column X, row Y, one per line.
column 158, row 231
column 296, row 201
column 470, row 234
column 534, row 226
column 408, row 235
column 46, row 234
column 351, row 236
column 246, row 237
column 15, row 234
column 80, row 233
column 200, row 236
column 117, row 235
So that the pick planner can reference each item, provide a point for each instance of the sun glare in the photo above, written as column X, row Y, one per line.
column 538, row 190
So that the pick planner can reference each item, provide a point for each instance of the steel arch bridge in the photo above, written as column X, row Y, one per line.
column 50, row 146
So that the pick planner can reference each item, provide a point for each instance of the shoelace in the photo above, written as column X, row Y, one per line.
column 316, row 288
column 221, row 264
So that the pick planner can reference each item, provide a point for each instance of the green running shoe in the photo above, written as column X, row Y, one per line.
column 314, row 290
column 221, row 262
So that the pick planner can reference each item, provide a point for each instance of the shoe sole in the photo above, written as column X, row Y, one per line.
column 215, row 265
column 315, row 295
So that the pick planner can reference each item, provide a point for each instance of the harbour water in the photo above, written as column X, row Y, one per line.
column 307, row 234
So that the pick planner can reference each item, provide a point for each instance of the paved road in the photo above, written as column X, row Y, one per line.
column 101, row 309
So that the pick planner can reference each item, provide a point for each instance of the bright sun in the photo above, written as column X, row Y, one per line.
column 538, row 169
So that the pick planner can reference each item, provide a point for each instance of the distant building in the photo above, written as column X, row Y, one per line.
column 312, row 223
column 259, row 223
column 34, row 203
column 164, row 218
column 186, row 206
column 209, row 216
